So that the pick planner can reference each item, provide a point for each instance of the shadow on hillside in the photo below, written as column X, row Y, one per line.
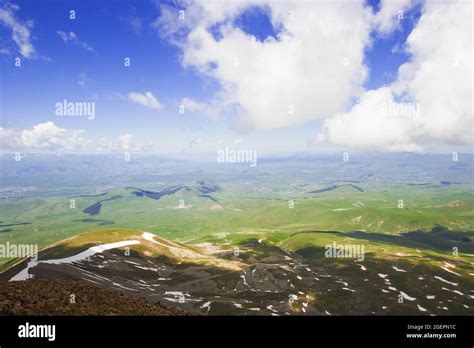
column 438, row 239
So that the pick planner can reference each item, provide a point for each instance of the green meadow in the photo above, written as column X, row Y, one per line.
column 236, row 215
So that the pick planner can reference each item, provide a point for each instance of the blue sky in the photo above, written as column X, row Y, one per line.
column 90, row 69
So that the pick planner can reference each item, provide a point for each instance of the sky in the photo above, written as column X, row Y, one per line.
column 280, row 77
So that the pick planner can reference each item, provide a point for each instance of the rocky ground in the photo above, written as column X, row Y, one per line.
column 72, row 297
column 269, row 280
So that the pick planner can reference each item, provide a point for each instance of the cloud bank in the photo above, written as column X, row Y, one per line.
column 44, row 137
column 438, row 77
column 310, row 70
column 124, row 143
column 313, row 68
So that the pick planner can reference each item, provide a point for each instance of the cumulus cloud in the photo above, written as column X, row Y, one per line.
column 377, row 121
column 9, row 139
column 43, row 137
column 437, row 77
column 391, row 13
column 312, row 69
column 124, row 143
column 21, row 30
column 71, row 38
column 146, row 99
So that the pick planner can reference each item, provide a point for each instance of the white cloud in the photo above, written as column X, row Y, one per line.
column 21, row 30
column 72, row 38
column 375, row 122
column 192, row 105
column 9, row 140
column 391, row 14
column 315, row 69
column 438, row 76
column 146, row 99
column 298, row 77
column 43, row 137
column 211, row 108
column 124, row 143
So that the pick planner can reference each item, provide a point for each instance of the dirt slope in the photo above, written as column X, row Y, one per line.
column 53, row 297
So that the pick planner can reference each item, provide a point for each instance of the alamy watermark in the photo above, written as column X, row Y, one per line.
column 401, row 109
column 67, row 108
column 10, row 250
column 37, row 331
column 228, row 155
column 354, row 251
